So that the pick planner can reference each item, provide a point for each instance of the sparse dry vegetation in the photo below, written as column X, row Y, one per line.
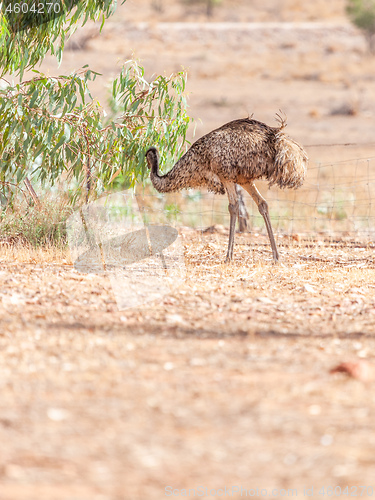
column 26, row 225
column 231, row 370
column 250, row 374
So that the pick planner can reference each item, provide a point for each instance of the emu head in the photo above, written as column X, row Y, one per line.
column 152, row 158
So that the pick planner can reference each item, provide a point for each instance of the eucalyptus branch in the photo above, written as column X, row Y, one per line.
column 43, row 126
column 17, row 186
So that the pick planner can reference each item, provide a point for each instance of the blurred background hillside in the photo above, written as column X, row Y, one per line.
column 247, row 57
column 236, row 10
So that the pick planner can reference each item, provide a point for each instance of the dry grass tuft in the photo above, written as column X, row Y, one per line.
column 27, row 254
column 35, row 226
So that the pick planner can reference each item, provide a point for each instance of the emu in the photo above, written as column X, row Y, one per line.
column 239, row 152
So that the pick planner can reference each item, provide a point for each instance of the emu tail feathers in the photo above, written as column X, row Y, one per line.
column 290, row 163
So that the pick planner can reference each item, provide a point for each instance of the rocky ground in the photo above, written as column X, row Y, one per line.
column 227, row 381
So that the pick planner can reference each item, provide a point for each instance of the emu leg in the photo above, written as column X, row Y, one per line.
column 263, row 210
column 243, row 215
column 233, row 211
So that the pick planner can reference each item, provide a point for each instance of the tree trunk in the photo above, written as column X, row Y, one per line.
column 33, row 194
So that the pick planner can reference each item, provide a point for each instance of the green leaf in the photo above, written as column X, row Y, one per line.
column 66, row 132
column 59, row 143
column 62, row 118
column 34, row 98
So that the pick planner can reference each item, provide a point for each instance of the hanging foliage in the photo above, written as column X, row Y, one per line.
column 52, row 128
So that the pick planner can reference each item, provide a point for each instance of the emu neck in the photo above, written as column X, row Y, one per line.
column 172, row 181
column 155, row 168
column 160, row 182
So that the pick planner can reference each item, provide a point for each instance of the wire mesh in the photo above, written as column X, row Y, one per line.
column 335, row 199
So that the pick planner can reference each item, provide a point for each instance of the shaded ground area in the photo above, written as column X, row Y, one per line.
column 224, row 382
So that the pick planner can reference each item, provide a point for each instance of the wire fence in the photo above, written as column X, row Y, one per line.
column 336, row 199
